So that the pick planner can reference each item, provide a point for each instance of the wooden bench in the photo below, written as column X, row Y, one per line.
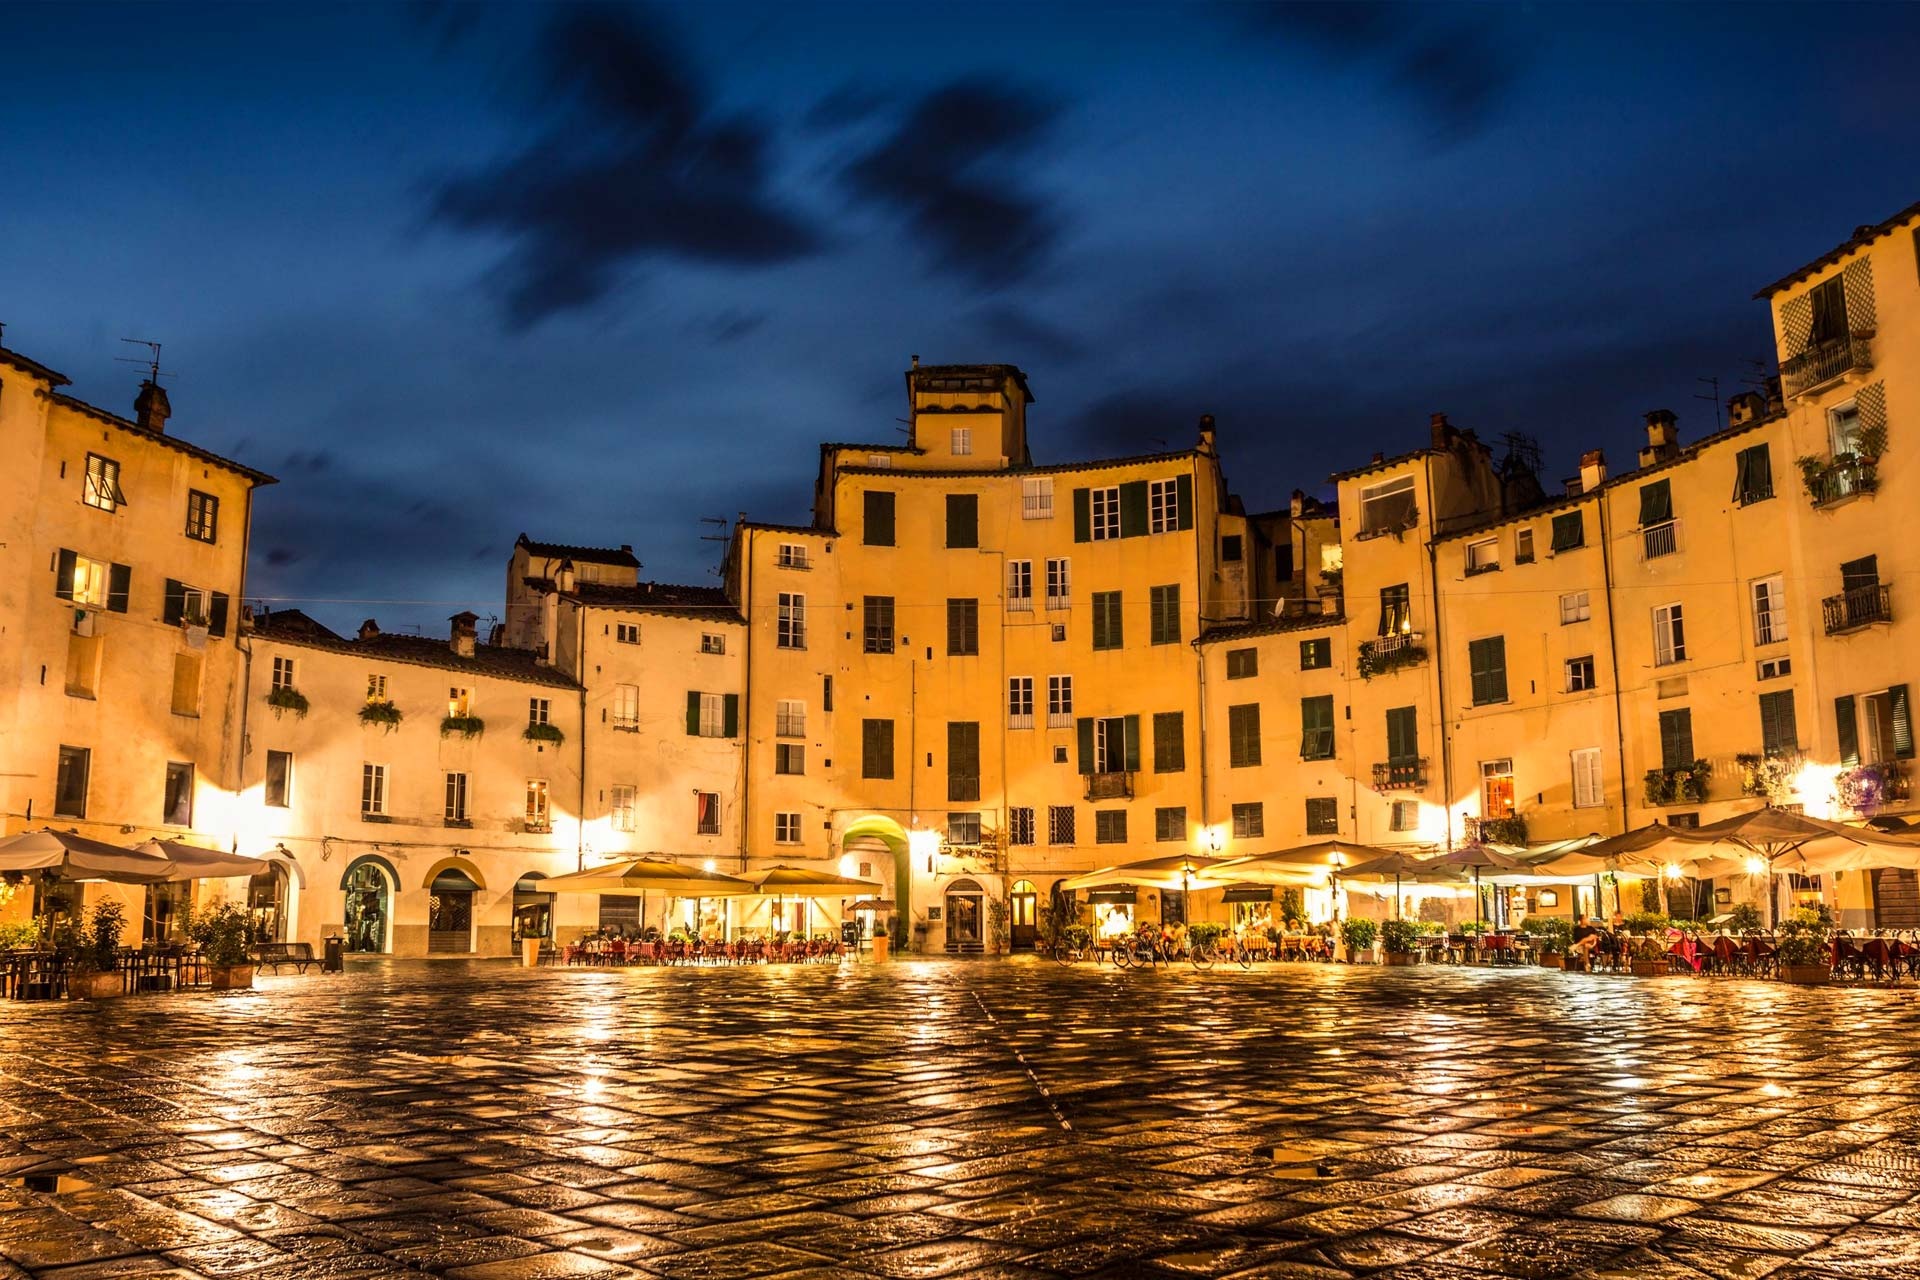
column 272, row 955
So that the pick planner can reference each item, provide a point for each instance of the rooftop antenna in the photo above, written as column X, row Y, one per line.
column 1756, row 379
column 721, row 533
column 1713, row 399
column 1523, row 451
column 151, row 360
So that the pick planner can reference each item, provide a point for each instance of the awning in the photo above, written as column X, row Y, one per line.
column 871, row 904
column 1117, row 893
column 1248, row 893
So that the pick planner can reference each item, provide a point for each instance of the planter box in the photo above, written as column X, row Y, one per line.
column 1398, row 959
column 1805, row 975
column 1554, row 960
column 230, row 977
column 96, row 986
column 880, row 946
column 530, row 952
column 1650, row 968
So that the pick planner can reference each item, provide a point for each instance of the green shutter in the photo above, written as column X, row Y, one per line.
column 1133, row 744
column 693, row 712
column 1902, row 722
column 120, row 586
column 1084, row 725
column 879, row 519
column 1169, row 742
column 1133, row 509
column 1740, row 475
column 1779, row 728
column 1403, row 734
column 216, row 612
column 174, row 604
column 1082, row 516
column 963, row 521
column 1569, row 531
column 1183, row 499
column 1843, row 720
column 1656, row 503
column 730, row 716
column 63, row 576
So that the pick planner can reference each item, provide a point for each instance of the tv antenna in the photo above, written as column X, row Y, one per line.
column 1758, row 378
column 151, row 359
column 721, row 533
column 1713, row 399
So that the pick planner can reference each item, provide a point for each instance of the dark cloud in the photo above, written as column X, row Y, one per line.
column 849, row 104
column 732, row 325
column 280, row 557
column 1032, row 338
column 308, row 460
column 1452, row 62
column 634, row 163
column 948, row 168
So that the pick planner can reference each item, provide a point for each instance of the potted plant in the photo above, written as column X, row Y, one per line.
column 537, row 733
column 1744, row 918
column 1396, row 942
column 1359, row 934
column 880, row 942
column 1552, row 935
column 287, row 698
column 1647, row 944
column 1204, row 934
column 1803, row 946
column 465, row 726
column 95, row 966
column 225, row 936
column 383, row 713
column 997, row 915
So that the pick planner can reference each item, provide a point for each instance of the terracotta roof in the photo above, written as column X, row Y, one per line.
column 827, row 446
column 769, row 526
column 1100, row 464
column 621, row 555
column 33, row 367
column 1381, row 465
column 291, row 626
column 1689, row 452
column 1272, row 626
column 998, row 372
column 162, row 438
column 1860, row 236
column 1551, row 505
column 709, row 603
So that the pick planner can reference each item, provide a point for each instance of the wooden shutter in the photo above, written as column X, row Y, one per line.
column 1569, row 531
column 1133, row 509
column 1902, row 722
column 963, row 520
column 1779, row 729
column 216, row 612
column 1084, row 727
column 1676, row 739
column 1656, row 503
column 1183, row 500
column 1169, row 742
column 1403, row 734
column 63, row 575
column 1082, row 515
column 730, row 716
column 1133, row 744
column 693, row 712
column 120, row 586
column 963, row 760
column 174, row 604
column 1849, row 731
column 878, row 530
column 1487, row 663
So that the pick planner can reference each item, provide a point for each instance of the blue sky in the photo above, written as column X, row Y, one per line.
column 455, row 272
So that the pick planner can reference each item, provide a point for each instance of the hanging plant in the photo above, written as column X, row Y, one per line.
column 1768, row 777
column 287, row 698
column 544, row 733
column 381, row 713
column 465, row 726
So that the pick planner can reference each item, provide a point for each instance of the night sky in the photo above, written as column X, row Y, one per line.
column 596, row 274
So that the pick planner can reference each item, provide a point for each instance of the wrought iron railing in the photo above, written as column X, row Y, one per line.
column 1841, row 479
column 1822, row 362
column 1400, row 775
column 1661, row 539
column 1390, row 652
column 1858, row 607
column 1110, row 786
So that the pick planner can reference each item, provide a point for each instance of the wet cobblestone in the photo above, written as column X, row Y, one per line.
column 488, row 1123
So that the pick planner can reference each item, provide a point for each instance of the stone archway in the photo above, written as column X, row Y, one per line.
column 871, row 828
column 370, row 884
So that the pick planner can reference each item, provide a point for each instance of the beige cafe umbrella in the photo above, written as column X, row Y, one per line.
column 191, row 862
column 1403, row 866
column 807, row 883
column 68, row 855
column 1810, row 844
column 638, row 877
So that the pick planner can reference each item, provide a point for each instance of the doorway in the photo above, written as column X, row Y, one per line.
column 964, row 909
column 1023, row 915
column 450, row 914
column 532, row 909
column 369, row 903
column 267, row 902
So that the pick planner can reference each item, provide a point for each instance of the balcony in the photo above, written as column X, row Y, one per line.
column 1858, row 607
column 1390, row 653
column 1845, row 477
column 1400, row 775
column 1110, row 786
column 1866, row 789
column 1510, row 830
column 1822, row 362
column 1658, row 540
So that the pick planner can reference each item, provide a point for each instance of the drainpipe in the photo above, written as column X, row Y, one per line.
column 746, row 695
column 244, row 643
column 1200, row 583
column 1613, row 656
column 1439, row 660
column 580, row 820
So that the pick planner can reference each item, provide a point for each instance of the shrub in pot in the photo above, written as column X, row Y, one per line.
column 1204, row 934
column 1803, row 938
column 1744, row 918
column 1552, row 935
column 225, row 935
column 1359, row 936
column 1397, row 941
column 881, row 943
column 95, row 967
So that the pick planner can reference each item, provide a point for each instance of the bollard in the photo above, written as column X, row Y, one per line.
column 335, row 960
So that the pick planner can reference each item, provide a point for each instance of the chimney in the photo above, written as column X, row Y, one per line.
column 564, row 577
column 1663, row 438
column 1748, row 406
column 1206, row 433
column 150, row 408
column 461, row 641
column 369, row 630
column 1298, row 504
column 1593, row 470
column 1443, row 432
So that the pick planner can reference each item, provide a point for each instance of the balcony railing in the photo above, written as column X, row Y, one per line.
column 1867, row 788
column 1822, row 362
column 1110, row 786
column 1391, row 652
column 1841, row 478
column 1661, row 539
column 1858, row 607
column 1511, row 830
column 1400, row 775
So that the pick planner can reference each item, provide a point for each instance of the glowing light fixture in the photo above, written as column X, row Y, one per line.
column 1672, row 871
column 1756, row 866
column 925, row 844
column 711, row 865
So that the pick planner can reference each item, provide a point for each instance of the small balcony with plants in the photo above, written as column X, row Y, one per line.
column 1390, row 653
column 1845, row 475
column 541, row 732
column 1110, row 786
column 1768, row 777
column 1857, row 608
column 1405, row 774
column 462, row 725
column 1826, row 361
column 284, row 698
column 1683, row 784
column 1509, row 829
column 1868, row 788
column 382, row 712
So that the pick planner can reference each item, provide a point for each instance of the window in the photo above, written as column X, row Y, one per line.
column 1163, row 614
column 626, row 708
column 876, row 748
column 1483, row 556
column 1385, row 508
column 877, row 629
column 1779, row 729
column 70, row 785
column 1669, row 636
column 1523, row 546
column 1752, row 475
column 789, row 758
column 459, row 698
column 960, row 441
column 1575, row 606
column 89, row 582
column 1843, row 428
column 1104, row 511
column 1658, row 533
column 1569, row 531
column 1587, row 791
column 1676, row 739
column 1170, row 824
column 1487, row 665
column 186, row 683
column 539, row 711
column 1115, row 749
column 712, row 715
column 1020, row 830
column 712, row 642
column 792, row 624
column 279, row 780
column 706, row 813
column 876, row 530
column 1769, row 610
column 203, row 516
column 1403, row 735
column 792, row 555
column 826, row 693
column 1249, row 821
column 1163, row 506
column 626, row 632
column 1059, row 583
column 1879, row 730
column 1243, row 664
column 177, row 805
column 1773, row 668
column 1036, row 498
column 1110, row 826
column 625, row 808
column 963, row 828
column 1323, row 816
column 963, row 521
column 1828, row 300
column 1684, row 821
column 1059, row 824
column 1107, row 631
column 1169, row 741
column 376, row 687
column 881, row 460
column 1019, row 702
column 282, row 673
column 102, row 487
column 963, row 760
column 456, row 800
column 373, row 790
column 1230, row 548
column 786, row 828
column 1316, row 728
column 1496, row 789
column 83, row 666
column 1020, row 585
column 1396, row 610
column 1579, row 672
column 1404, row 815
column 963, row 627
column 1059, row 702
column 1316, row 654
column 789, row 718
column 1243, row 735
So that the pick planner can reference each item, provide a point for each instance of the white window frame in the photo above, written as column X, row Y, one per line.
column 1020, row 585
column 282, row 674
column 1059, row 582
column 1567, row 684
column 623, row 813
column 1589, row 786
column 1398, row 815
column 793, row 555
column 459, row 700
column 786, row 828
column 373, row 789
column 960, row 441
column 376, row 687
column 539, row 803
column 91, row 580
column 713, row 715
column 1669, row 635
column 884, row 461
column 1163, row 506
column 1483, row 555
column 458, row 789
column 789, row 718
column 100, row 485
column 700, row 799
column 1375, row 496
column 1019, row 702
column 1575, row 606
column 1847, row 441
column 1059, row 702
column 1036, row 498
column 713, row 642
column 1103, row 514
column 791, row 627
column 1769, row 599
column 286, row 798
column 539, row 711
column 1523, row 546
column 1492, row 771
column 626, row 633
column 625, row 712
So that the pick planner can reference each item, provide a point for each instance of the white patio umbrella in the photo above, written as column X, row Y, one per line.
column 638, row 877
column 807, row 883
column 191, row 862
column 68, row 855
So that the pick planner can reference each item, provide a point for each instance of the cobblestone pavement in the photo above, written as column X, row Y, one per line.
column 944, row 1119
